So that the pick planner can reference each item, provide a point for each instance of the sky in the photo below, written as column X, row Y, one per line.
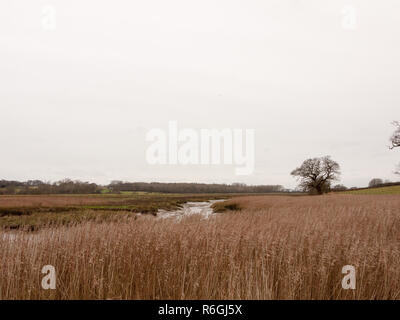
column 83, row 82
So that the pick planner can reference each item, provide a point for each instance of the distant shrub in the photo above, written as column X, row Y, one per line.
column 339, row 187
column 376, row 182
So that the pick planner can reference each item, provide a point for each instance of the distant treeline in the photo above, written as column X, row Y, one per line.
column 193, row 187
column 374, row 183
column 65, row 186
column 68, row 186
column 378, row 185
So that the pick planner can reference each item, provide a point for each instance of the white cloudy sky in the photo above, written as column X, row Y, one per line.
column 76, row 101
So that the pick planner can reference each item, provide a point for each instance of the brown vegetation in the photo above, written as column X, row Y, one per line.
column 276, row 247
column 33, row 212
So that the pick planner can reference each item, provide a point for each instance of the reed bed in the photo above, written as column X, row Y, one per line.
column 275, row 247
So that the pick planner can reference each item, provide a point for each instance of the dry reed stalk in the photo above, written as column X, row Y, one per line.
column 276, row 248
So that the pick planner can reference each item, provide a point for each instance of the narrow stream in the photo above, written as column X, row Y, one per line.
column 190, row 208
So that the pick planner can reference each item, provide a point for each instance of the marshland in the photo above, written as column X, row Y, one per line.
column 253, row 247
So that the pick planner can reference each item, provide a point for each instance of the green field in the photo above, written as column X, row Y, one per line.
column 383, row 190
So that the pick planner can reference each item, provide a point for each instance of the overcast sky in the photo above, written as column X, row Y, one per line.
column 82, row 81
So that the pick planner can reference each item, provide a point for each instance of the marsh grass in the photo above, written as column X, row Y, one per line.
column 274, row 248
column 34, row 212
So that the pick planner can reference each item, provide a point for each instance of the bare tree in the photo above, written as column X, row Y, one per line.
column 395, row 139
column 316, row 174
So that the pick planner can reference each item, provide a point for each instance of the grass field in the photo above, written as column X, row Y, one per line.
column 383, row 190
column 267, row 247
